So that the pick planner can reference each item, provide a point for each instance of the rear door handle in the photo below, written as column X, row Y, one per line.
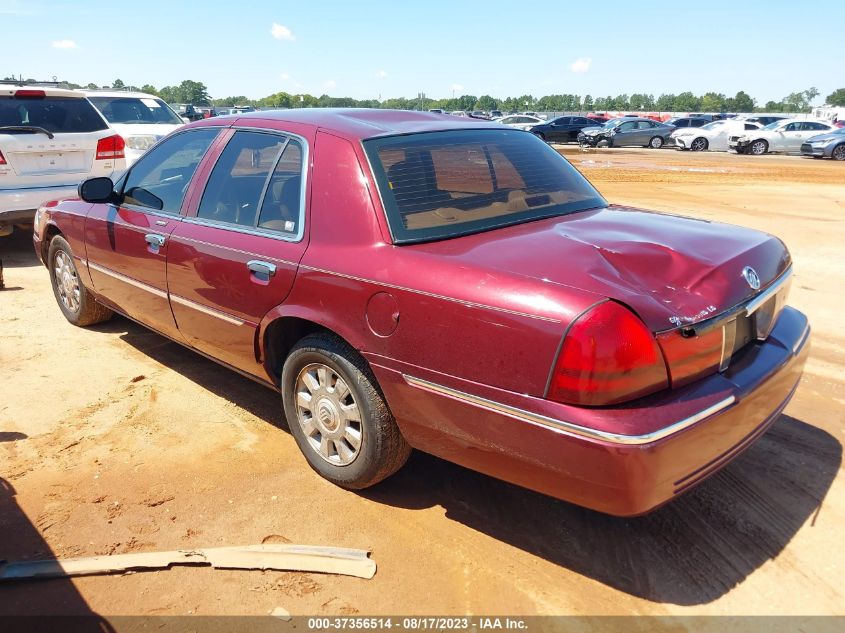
column 155, row 240
column 265, row 269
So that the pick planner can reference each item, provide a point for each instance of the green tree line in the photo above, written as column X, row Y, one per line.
column 196, row 92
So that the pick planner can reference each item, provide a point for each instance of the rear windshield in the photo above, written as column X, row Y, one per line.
column 439, row 185
column 129, row 110
column 54, row 114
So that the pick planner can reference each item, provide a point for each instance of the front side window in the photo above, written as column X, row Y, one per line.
column 446, row 184
column 159, row 180
column 256, row 183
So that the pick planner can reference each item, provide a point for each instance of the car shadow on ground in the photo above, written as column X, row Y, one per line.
column 690, row 552
column 31, row 605
column 16, row 251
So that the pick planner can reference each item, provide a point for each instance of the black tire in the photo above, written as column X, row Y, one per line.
column 699, row 144
column 758, row 147
column 838, row 152
column 80, row 311
column 382, row 450
column 656, row 142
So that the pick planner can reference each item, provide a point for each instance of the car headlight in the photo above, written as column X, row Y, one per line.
column 141, row 143
column 822, row 141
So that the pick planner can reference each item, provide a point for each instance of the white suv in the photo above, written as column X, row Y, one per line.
column 141, row 119
column 51, row 139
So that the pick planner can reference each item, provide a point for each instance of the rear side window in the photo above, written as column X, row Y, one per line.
column 59, row 115
column 445, row 184
column 257, row 182
column 135, row 110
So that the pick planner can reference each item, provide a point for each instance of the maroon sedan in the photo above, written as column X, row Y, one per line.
column 405, row 279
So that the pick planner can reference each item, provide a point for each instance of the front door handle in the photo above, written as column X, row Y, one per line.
column 155, row 240
column 261, row 269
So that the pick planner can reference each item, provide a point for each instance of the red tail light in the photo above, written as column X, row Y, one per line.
column 30, row 94
column 111, row 147
column 693, row 357
column 608, row 356
column 2, row 159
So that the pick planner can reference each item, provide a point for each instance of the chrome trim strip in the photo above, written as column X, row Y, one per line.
column 568, row 428
column 752, row 306
column 803, row 339
column 229, row 248
column 206, row 310
column 470, row 304
column 132, row 282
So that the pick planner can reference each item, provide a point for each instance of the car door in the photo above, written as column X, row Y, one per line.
column 787, row 137
column 578, row 124
column 127, row 243
column 626, row 133
column 643, row 133
column 560, row 129
column 805, row 131
column 235, row 255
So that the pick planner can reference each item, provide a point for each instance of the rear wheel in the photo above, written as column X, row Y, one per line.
column 838, row 152
column 75, row 301
column 337, row 414
column 699, row 145
column 759, row 147
column 656, row 142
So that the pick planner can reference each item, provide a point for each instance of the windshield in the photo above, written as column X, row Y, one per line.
column 439, row 185
column 613, row 122
column 773, row 125
column 713, row 126
column 135, row 110
column 54, row 114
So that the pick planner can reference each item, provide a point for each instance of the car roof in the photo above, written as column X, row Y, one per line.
column 49, row 91
column 118, row 93
column 364, row 123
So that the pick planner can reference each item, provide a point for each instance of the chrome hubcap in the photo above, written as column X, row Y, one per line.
column 656, row 142
column 328, row 414
column 839, row 152
column 67, row 283
column 758, row 148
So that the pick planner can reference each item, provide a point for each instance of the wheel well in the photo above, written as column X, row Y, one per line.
column 281, row 335
column 51, row 232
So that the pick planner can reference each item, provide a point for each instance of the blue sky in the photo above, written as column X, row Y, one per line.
column 399, row 48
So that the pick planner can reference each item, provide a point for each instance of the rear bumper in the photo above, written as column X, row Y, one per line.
column 15, row 204
column 619, row 473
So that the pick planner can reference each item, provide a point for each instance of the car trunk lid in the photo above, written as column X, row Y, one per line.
column 672, row 271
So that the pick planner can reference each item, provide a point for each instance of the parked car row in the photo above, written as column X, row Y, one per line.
column 786, row 135
column 52, row 138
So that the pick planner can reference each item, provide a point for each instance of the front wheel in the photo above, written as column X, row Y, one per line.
column 698, row 145
column 656, row 142
column 337, row 414
column 74, row 299
column 759, row 147
column 838, row 152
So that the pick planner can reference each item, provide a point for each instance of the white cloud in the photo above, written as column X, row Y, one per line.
column 281, row 32
column 284, row 76
column 381, row 74
column 64, row 44
column 331, row 83
column 457, row 87
column 581, row 65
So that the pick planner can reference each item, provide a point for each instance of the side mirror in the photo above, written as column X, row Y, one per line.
column 96, row 190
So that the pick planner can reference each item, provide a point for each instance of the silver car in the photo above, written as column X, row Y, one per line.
column 628, row 131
